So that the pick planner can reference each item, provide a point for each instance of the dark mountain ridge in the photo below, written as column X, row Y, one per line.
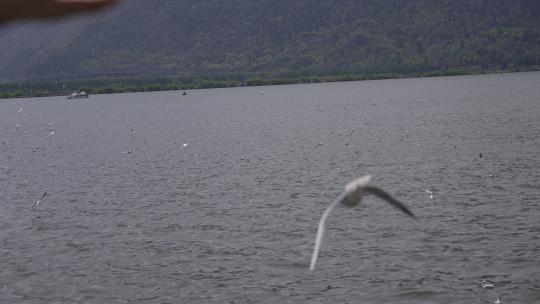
column 175, row 37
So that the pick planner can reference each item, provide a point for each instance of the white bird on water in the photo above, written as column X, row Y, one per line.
column 486, row 284
column 351, row 198
column 430, row 192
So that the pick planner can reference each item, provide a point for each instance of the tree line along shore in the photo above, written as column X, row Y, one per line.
column 27, row 89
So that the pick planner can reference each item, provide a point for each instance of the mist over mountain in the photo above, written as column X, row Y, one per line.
column 172, row 37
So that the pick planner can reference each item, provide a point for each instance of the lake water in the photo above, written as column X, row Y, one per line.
column 214, row 197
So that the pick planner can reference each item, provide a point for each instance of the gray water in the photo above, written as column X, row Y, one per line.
column 214, row 197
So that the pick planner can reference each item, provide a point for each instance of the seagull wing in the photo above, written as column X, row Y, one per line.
column 387, row 197
column 43, row 195
column 39, row 201
column 320, row 231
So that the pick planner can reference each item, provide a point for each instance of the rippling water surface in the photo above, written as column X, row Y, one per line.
column 214, row 197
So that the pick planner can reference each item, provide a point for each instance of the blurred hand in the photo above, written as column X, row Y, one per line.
column 46, row 9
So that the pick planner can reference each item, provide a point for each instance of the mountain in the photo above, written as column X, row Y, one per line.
column 276, row 37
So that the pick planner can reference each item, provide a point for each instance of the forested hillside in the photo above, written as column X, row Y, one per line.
column 277, row 37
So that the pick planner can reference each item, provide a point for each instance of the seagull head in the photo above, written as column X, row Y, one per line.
column 353, row 191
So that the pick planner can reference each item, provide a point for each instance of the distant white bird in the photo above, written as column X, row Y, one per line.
column 487, row 285
column 429, row 192
column 351, row 198
column 185, row 145
column 39, row 201
column 499, row 301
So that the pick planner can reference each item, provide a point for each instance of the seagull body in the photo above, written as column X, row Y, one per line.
column 351, row 198
column 39, row 201
column 499, row 301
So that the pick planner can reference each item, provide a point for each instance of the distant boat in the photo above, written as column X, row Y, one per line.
column 75, row 95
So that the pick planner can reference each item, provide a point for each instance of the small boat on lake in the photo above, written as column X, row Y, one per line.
column 76, row 95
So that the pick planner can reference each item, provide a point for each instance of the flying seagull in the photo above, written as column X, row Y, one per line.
column 351, row 198
column 39, row 201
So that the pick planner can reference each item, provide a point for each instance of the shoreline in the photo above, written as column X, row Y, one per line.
column 111, row 86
